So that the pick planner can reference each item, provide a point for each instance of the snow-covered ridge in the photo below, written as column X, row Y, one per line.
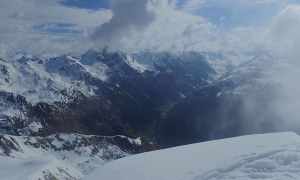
column 264, row 156
column 44, row 79
column 64, row 156
column 65, row 78
column 58, row 83
column 247, row 76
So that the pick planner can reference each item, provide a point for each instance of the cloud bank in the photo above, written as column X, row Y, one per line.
column 151, row 24
column 275, row 105
column 132, row 25
column 285, row 40
column 160, row 25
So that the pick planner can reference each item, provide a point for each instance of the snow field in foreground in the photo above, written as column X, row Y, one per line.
column 264, row 156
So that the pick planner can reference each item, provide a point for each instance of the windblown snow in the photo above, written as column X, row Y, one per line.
column 265, row 156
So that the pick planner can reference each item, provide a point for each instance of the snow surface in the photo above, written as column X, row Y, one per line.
column 248, row 76
column 42, row 167
column 63, row 156
column 221, row 63
column 265, row 156
column 136, row 65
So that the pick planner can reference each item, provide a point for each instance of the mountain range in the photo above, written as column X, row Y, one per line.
column 82, row 112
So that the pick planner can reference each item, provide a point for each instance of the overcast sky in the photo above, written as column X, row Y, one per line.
column 55, row 27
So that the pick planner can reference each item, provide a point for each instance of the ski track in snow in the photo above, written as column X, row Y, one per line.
column 267, row 156
column 262, row 166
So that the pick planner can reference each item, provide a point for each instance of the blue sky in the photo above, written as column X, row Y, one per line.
column 67, row 29
column 58, row 29
column 88, row 4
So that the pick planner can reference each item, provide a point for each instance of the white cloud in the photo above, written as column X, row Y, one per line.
column 26, row 25
column 178, row 30
column 163, row 27
column 284, row 32
column 193, row 5
column 129, row 16
column 282, row 39
column 20, row 20
column 260, row 1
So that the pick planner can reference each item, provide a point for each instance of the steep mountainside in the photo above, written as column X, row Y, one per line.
column 240, row 102
column 98, row 93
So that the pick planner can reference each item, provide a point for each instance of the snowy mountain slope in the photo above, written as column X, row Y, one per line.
column 40, row 167
column 37, row 80
column 137, row 89
column 264, row 156
column 247, row 75
column 227, row 107
column 165, row 60
column 224, row 62
column 63, row 155
column 101, row 93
